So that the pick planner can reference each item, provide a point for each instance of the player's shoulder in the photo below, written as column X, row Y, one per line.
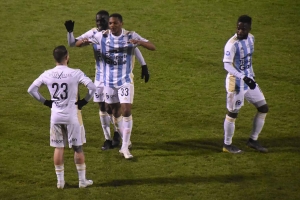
column 94, row 30
column 127, row 32
column 250, row 35
column 232, row 41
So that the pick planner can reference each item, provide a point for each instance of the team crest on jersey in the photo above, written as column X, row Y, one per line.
column 227, row 53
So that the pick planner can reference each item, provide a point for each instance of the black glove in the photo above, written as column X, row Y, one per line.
column 81, row 103
column 145, row 73
column 250, row 82
column 48, row 103
column 69, row 25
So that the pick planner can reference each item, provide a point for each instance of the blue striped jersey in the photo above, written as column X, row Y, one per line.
column 97, row 53
column 239, row 53
column 117, row 56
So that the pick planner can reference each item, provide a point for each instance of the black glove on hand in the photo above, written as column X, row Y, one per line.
column 69, row 25
column 251, row 83
column 145, row 73
column 81, row 103
column 48, row 103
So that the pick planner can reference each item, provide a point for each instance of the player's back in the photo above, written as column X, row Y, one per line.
column 62, row 83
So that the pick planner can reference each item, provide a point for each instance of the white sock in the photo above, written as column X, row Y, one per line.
column 105, row 122
column 112, row 122
column 81, row 169
column 229, row 126
column 258, row 124
column 119, row 123
column 59, row 170
column 127, row 127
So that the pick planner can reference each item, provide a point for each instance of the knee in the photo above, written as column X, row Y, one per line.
column 77, row 149
column 263, row 109
column 232, row 115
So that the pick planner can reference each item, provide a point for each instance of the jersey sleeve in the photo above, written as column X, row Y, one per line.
column 138, row 37
column 40, row 80
column 83, row 79
column 96, row 38
column 87, row 34
column 229, row 52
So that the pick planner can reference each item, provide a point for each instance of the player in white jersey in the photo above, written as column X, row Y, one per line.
column 117, row 47
column 240, row 85
column 104, row 112
column 62, row 83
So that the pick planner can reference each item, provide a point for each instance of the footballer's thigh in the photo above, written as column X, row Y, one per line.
column 235, row 101
column 58, row 135
column 82, row 129
column 99, row 94
column 255, row 97
column 75, row 135
column 111, row 95
column 126, row 93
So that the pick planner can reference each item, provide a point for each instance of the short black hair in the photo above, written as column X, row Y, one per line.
column 59, row 53
column 245, row 19
column 102, row 12
column 117, row 15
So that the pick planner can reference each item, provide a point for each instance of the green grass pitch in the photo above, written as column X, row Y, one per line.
column 178, row 115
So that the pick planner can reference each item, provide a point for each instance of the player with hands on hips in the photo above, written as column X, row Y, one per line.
column 62, row 83
column 240, row 85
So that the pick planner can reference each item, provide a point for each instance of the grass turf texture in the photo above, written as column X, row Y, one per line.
column 178, row 116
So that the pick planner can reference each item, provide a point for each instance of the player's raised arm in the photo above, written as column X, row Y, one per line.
column 69, row 24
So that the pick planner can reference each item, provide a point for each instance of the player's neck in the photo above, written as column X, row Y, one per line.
column 62, row 63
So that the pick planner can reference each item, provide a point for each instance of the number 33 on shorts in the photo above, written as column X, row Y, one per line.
column 126, row 93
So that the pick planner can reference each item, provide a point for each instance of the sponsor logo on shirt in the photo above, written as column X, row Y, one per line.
column 60, row 75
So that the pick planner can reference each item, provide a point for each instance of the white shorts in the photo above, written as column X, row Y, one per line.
column 124, row 94
column 236, row 100
column 99, row 94
column 61, row 134
column 82, row 130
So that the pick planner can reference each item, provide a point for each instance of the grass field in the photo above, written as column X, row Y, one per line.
column 178, row 115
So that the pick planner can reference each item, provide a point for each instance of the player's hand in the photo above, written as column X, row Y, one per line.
column 145, row 73
column 81, row 103
column 250, row 82
column 134, row 41
column 69, row 25
column 48, row 103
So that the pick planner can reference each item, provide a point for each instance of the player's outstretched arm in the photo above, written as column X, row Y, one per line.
column 69, row 24
column 148, row 45
column 83, row 42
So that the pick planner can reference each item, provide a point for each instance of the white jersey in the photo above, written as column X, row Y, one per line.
column 117, row 56
column 97, row 54
column 239, row 53
column 62, row 83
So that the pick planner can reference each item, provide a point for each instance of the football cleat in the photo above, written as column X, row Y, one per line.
column 85, row 183
column 126, row 153
column 107, row 145
column 116, row 139
column 231, row 149
column 255, row 145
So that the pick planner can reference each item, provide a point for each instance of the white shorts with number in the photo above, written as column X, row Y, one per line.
column 63, row 134
column 236, row 100
column 99, row 94
column 124, row 94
